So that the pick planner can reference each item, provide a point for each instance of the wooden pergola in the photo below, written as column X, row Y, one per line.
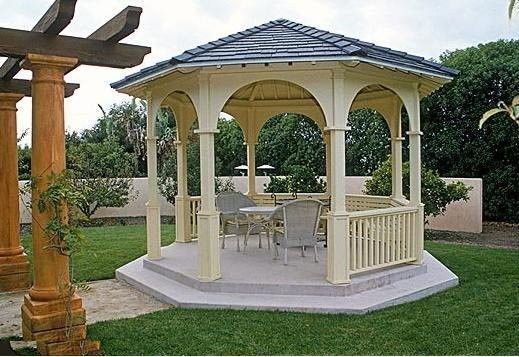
column 279, row 67
column 52, row 318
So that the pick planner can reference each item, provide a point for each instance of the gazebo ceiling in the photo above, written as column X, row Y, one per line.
column 271, row 90
column 286, row 41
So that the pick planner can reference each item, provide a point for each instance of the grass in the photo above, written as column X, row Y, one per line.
column 107, row 248
column 480, row 317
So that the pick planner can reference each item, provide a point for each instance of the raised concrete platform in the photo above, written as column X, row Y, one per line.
column 253, row 280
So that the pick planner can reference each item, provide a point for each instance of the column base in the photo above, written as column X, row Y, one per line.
column 337, row 271
column 14, row 273
column 208, row 246
column 53, row 321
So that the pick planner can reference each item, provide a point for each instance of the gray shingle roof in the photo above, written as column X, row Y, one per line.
column 284, row 39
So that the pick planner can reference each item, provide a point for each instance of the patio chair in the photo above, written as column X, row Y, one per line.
column 232, row 221
column 300, row 223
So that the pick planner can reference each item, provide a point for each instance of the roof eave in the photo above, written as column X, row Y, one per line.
column 125, row 85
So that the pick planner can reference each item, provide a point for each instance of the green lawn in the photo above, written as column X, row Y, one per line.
column 481, row 316
column 107, row 248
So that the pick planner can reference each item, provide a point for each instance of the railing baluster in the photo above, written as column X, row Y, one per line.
column 371, row 241
column 365, row 243
column 377, row 241
column 354, row 245
column 398, row 236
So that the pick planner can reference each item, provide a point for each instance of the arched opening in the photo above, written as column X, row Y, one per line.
column 281, row 124
column 378, row 120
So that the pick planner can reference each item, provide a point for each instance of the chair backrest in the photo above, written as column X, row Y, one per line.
column 300, row 218
column 231, row 202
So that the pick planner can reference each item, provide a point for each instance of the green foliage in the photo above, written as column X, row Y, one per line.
column 60, row 200
column 300, row 179
column 512, row 111
column 24, row 162
column 102, row 173
column 452, row 143
column 291, row 139
column 436, row 194
column 229, row 147
column 367, row 143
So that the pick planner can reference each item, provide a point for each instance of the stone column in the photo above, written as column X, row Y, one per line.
column 182, row 207
column 251, row 164
column 208, row 217
column 48, row 313
column 152, row 206
column 14, row 266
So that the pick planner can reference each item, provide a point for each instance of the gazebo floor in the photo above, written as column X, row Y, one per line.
column 253, row 280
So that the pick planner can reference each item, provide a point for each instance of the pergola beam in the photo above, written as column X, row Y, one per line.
column 23, row 86
column 120, row 26
column 57, row 17
column 18, row 43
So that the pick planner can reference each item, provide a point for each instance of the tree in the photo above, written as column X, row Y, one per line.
column 102, row 173
column 436, row 194
column 367, row 143
column 229, row 147
column 511, row 6
column 452, row 143
column 24, row 162
column 291, row 139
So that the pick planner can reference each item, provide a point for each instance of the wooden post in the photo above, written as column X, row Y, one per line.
column 14, row 266
column 48, row 313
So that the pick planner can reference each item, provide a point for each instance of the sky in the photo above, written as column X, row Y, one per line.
column 425, row 28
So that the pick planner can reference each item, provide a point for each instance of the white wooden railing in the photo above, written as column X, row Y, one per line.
column 381, row 237
column 381, row 231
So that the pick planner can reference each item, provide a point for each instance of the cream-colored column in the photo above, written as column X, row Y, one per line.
column 251, row 164
column 337, row 269
column 182, row 207
column 327, row 146
column 208, row 216
column 415, row 175
column 396, row 154
column 152, row 206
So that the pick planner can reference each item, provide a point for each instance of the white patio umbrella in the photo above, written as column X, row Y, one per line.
column 264, row 168
column 242, row 169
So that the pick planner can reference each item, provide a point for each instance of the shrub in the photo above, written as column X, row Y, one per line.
column 299, row 179
column 436, row 194
column 101, row 173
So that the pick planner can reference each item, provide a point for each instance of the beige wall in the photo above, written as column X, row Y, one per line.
column 460, row 216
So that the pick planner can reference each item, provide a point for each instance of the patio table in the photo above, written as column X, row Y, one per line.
column 257, row 217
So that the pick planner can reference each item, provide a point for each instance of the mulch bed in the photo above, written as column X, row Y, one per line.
column 495, row 234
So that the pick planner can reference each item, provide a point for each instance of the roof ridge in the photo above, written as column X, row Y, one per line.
column 234, row 37
column 337, row 40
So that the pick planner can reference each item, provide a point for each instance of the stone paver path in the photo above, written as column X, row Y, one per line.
column 106, row 300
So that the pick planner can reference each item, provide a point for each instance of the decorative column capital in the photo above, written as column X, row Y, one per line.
column 414, row 132
column 328, row 129
column 8, row 101
column 206, row 131
column 34, row 61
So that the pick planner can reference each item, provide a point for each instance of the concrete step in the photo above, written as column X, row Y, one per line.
column 437, row 278
column 280, row 286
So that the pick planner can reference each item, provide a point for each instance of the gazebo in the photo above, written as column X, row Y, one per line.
column 280, row 67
